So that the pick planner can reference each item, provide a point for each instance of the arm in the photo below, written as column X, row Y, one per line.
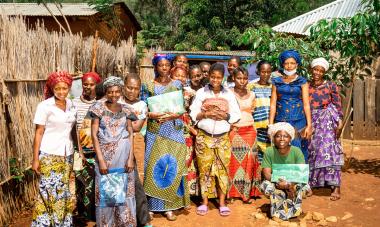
column 306, row 107
column 336, row 100
column 94, row 136
column 39, row 132
column 76, row 140
column 137, row 125
column 267, row 173
column 273, row 103
column 131, row 159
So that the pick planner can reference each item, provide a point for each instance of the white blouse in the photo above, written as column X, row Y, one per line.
column 56, row 139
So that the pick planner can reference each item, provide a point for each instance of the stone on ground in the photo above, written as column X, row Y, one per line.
column 332, row 219
column 318, row 216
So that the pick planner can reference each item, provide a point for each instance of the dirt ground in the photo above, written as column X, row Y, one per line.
column 360, row 197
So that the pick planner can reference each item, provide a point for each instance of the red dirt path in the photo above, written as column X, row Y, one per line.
column 360, row 196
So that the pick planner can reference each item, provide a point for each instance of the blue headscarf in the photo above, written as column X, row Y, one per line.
column 158, row 57
column 290, row 54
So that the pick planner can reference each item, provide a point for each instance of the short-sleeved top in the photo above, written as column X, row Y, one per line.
column 82, row 109
column 289, row 99
column 58, row 124
column 325, row 94
column 262, row 103
column 272, row 156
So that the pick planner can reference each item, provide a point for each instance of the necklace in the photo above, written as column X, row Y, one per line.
column 87, row 101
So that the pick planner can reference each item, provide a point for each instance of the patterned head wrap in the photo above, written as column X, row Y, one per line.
column 158, row 57
column 112, row 81
column 290, row 54
column 320, row 62
column 281, row 126
column 53, row 79
column 92, row 75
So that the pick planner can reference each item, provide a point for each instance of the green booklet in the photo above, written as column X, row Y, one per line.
column 169, row 102
column 295, row 173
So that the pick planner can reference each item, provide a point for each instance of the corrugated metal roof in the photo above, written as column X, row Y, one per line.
column 33, row 9
column 215, row 53
column 336, row 9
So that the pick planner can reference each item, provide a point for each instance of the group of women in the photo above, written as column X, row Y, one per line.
column 223, row 146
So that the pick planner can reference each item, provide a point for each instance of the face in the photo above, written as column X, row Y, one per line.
column 290, row 64
column 216, row 79
column 232, row 64
column 317, row 73
column 132, row 89
column 113, row 94
column 180, row 75
column 163, row 67
column 61, row 90
column 241, row 80
column 89, row 87
column 181, row 61
column 282, row 139
column 205, row 71
column 196, row 76
column 264, row 72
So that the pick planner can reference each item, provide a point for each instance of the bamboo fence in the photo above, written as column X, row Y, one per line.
column 26, row 58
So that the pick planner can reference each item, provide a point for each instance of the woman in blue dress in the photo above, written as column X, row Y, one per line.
column 290, row 99
column 165, row 151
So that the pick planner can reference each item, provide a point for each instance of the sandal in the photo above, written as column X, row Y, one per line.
column 202, row 210
column 224, row 211
column 170, row 216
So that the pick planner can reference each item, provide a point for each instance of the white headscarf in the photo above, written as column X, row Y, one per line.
column 320, row 62
column 273, row 129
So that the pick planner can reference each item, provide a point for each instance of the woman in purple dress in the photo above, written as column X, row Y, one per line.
column 325, row 150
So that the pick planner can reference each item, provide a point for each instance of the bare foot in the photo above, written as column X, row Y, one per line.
column 335, row 194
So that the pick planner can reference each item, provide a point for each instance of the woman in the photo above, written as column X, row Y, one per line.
column 112, row 136
column 325, row 151
column 165, row 151
column 214, row 109
column 181, row 60
column 285, row 197
column 84, row 182
column 290, row 99
column 196, row 76
column 262, row 90
column 52, row 153
column 232, row 64
column 244, row 164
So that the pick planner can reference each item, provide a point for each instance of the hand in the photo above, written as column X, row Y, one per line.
column 168, row 116
column 307, row 132
column 103, row 167
column 36, row 166
column 130, row 165
column 215, row 115
column 338, row 130
column 155, row 115
column 282, row 184
column 291, row 191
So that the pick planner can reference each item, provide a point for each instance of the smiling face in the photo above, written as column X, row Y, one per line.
column 132, row 89
column 232, row 64
column 113, row 94
column 196, row 77
column 290, row 64
column 181, row 60
column 241, row 80
column 180, row 74
column 216, row 78
column 317, row 73
column 163, row 67
column 281, row 139
column 88, row 86
column 205, row 70
column 61, row 90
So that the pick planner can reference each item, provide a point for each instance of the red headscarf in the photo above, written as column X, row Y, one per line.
column 92, row 75
column 53, row 79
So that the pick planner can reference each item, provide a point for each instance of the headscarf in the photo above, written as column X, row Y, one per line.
column 281, row 126
column 290, row 54
column 112, row 81
column 53, row 79
column 92, row 75
column 158, row 57
column 320, row 62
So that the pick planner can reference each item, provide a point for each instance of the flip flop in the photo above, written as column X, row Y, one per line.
column 224, row 211
column 202, row 210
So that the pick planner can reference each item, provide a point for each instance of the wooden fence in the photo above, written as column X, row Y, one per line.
column 26, row 58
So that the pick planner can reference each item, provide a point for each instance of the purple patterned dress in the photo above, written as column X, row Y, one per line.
column 325, row 150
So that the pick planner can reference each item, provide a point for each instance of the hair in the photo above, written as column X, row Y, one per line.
column 203, row 63
column 193, row 67
column 261, row 63
column 237, row 58
column 99, row 91
column 179, row 55
column 133, row 76
column 217, row 67
column 238, row 70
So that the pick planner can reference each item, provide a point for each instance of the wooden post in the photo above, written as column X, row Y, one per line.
column 358, row 105
column 370, row 108
column 347, row 103
column 94, row 51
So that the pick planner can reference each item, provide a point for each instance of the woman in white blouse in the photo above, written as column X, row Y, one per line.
column 52, row 152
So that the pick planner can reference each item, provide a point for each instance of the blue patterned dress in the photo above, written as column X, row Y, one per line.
column 289, row 108
column 165, row 157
